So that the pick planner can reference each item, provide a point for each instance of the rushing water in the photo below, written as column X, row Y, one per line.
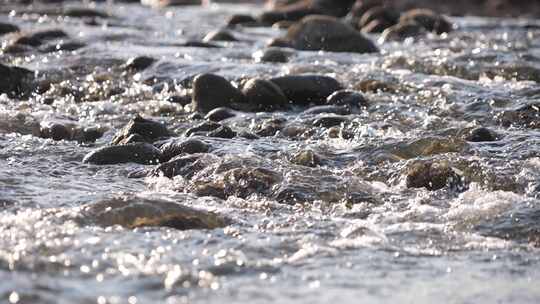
column 362, row 236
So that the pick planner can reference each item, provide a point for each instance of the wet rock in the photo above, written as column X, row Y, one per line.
column 15, row 81
column 306, row 89
column 272, row 54
column 527, row 116
column 360, row 7
column 283, row 25
column 201, row 44
column 165, row 3
column 219, row 35
column 220, row 114
column 195, row 116
column 243, row 182
column 209, row 189
column 62, row 46
column 222, row 132
column 150, row 130
column 270, row 128
column 36, row 39
column 264, row 95
column 338, row 110
column 6, row 28
column 131, row 139
column 279, row 43
column 403, row 30
column 247, row 135
column 212, row 91
column 82, row 12
column 379, row 13
column 183, row 165
column 291, row 195
column 132, row 212
column 296, row 131
column 338, row 132
column 241, row 20
column 428, row 19
column 206, row 126
column 139, row 63
column 321, row 33
column 329, row 121
column 174, row 148
column 306, row 158
column 432, row 176
column 347, row 98
column 481, row 135
column 301, row 9
column 55, row 131
column 141, row 153
column 22, row 123
column 376, row 26
column 87, row 135
column 182, row 99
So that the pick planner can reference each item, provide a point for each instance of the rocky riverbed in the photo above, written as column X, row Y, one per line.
column 220, row 153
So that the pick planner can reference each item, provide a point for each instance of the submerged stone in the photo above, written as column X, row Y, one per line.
column 306, row 158
column 242, row 182
column 133, row 212
column 432, row 176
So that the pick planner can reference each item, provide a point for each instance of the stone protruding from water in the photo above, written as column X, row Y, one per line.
column 15, row 81
column 323, row 33
column 432, row 176
column 264, row 95
column 306, row 89
column 132, row 212
column 147, row 129
column 141, row 153
column 212, row 91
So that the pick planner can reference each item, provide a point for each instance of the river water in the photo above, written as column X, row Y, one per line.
column 360, row 235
